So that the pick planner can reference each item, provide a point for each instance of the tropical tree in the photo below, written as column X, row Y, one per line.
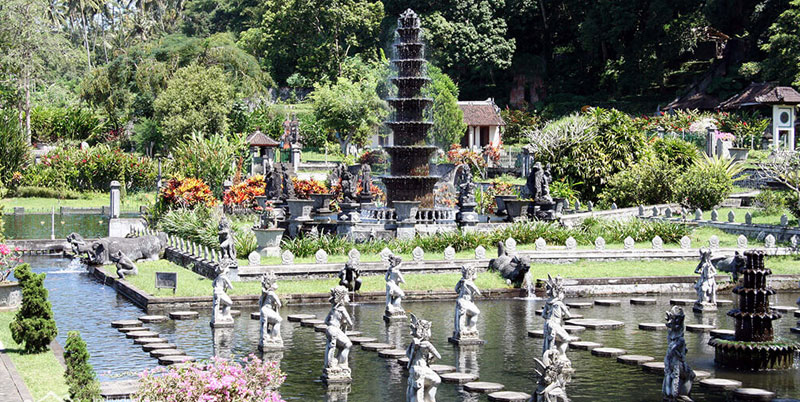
column 448, row 119
column 783, row 47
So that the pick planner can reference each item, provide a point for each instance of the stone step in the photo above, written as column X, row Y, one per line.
column 320, row 328
column 594, row 323
column 724, row 302
column 154, row 346
column 720, row 384
column 722, row 332
column 141, row 334
column 580, row 305
column 442, row 368
column 634, row 360
column 782, row 309
column 699, row 327
column 152, row 318
column 607, row 302
column 574, row 329
column 682, row 302
column 300, row 317
column 166, row 352
column 125, row 330
column 362, row 339
column 184, row 315
column 144, row 341
column 654, row 367
column 700, row 375
column 753, row 394
column 375, row 346
column 483, row 387
column 255, row 316
column 536, row 333
column 584, row 345
column 652, row 326
column 168, row 360
column 311, row 322
column 797, row 314
column 509, row 396
column 391, row 353
column 458, row 377
column 608, row 352
column 126, row 323
column 236, row 313
column 353, row 333
column 643, row 301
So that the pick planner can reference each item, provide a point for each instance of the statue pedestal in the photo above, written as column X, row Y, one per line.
column 336, row 375
column 219, row 320
column 700, row 307
column 466, row 338
column 394, row 315
column 269, row 345
column 466, row 215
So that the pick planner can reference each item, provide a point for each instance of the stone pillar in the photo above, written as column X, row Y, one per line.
column 226, row 185
column 295, row 157
column 158, row 179
column 115, row 200
column 710, row 142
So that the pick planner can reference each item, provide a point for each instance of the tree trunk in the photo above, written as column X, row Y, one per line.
column 86, row 42
column 27, row 83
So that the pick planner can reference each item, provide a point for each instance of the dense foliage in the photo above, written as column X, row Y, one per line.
column 33, row 325
column 244, row 194
column 707, row 183
column 212, row 159
column 185, row 192
column 79, row 375
column 14, row 152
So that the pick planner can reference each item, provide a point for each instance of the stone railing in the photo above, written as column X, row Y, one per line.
column 436, row 215
column 380, row 215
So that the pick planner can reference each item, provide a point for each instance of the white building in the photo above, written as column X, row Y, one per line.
column 484, row 124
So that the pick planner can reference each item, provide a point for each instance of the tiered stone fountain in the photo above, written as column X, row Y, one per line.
column 753, row 346
column 409, row 179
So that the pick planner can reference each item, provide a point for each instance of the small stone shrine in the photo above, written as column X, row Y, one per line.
column 465, row 331
column 270, row 318
column 422, row 380
column 337, row 348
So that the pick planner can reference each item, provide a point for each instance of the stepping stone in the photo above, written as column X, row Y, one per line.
column 153, row 318
column 255, row 316
column 141, row 334
column 184, row 315
column 782, row 309
column 642, row 301
column 166, row 352
column 299, row 317
column 608, row 352
column 753, row 394
column 721, row 333
column 652, row 326
column 483, row 387
column 584, row 345
column 375, row 346
column 458, row 377
column 795, row 330
column 403, row 361
column 509, row 396
column 720, row 384
column 353, row 333
column 699, row 327
column 126, row 323
column 538, row 312
column 320, row 328
column 442, row 368
column 173, row 359
column 362, row 339
column 654, row 367
column 536, row 333
column 574, row 329
column 392, row 353
column 797, row 313
column 634, row 360
column 236, row 313
column 682, row 302
column 700, row 375
column 144, row 341
column 311, row 322
column 125, row 330
column 573, row 317
column 724, row 301
column 154, row 346
column 594, row 323
column 607, row 302
column 580, row 305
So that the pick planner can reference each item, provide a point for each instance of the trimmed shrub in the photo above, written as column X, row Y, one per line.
column 33, row 324
column 773, row 202
column 80, row 377
column 46, row 192
column 651, row 181
column 707, row 183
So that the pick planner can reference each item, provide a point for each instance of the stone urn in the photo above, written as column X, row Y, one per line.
column 10, row 296
column 738, row 154
column 406, row 210
column 517, row 209
column 262, row 201
column 269, row 241
column 322, row 202
column 300, row 210
column 500, row 200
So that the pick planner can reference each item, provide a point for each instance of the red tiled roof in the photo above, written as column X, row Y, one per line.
column 748, row 96
column 481, row 113
column 259, row 139
column 781, row 96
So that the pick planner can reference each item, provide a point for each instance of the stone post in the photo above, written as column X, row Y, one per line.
column 115, row 200
column 710, row 142
column 226, row 185
column 295, row 157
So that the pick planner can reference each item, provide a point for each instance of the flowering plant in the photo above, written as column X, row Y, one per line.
column 214, row 380
column 374, row 157
column 9, row 259
column 492, row 153
column 187, row 192
column 720, row 135
column 244, row 194
column 304, row 188
column 457, row 156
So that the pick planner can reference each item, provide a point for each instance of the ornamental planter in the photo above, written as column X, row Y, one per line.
column 500, row 200
column 739, row 154
column 269, row 241
column 517, row 209
column 300, row 210
column 10, row 296
column 322, row 202
column 406, row 210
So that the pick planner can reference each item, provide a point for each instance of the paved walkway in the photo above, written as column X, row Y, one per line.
column 12, row 388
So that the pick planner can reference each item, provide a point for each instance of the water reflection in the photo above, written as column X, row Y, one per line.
column 223, row 342
column 467, row 358
column 337, row 392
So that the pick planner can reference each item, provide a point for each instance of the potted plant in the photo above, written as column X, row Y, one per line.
column 10, row 292
column 268, row 234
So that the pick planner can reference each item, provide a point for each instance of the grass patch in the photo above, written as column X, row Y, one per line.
column 759, row 216
column 87, row 200
column 317, row 156
column 41, row 372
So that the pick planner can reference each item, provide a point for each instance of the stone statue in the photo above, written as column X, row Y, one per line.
column 465, row 185
column 538, row 184
column 287, row 184
column 221, row 302
column 554, row 311
column 422, row 380
column 678, row 376
column 269, row 304
column 349, row 276
column 513, row 268
column 366, row 184
column 136, row 248
column 706, row 285
column 272, row 179
column 554, row 374
column 124, row 265
column 349, row 186
column 465, row 329
column 77, row 243
column 226, row 245
column 547, row 180
column 337, row 349
column 394, row 295
column 733, row 265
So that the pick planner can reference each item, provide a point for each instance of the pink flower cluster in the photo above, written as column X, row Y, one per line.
column 9, row 258
column 216, row 380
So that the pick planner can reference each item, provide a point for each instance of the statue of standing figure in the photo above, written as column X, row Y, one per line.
column 538, row 183
column 272, row 180
column 465, row 331
column 554, row 374
column 349, row 186
column 366, row 184
column 337, row 348
column 226, row 244
column 422, row 380
column 465, row 185
column 706, row 285
column 287, row 184
column 221, row 302
column 394, row 295
column 678, row 376
column 270, row 319
column 554, row 311
column 349, row 276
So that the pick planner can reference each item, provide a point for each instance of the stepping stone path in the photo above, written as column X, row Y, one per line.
column 608, row 352
column 700, row 375
column 642, row 301
column 607, row 302
column 154, row 346
column 580, row 305
column 720, row 384
column 509, row 396
column 167, row 360
column 682, row 302
column 574, row 329
column 142, row 334
column 255, row 316
column 753, row 394
column 574, row 317
column 718, row 333
column 299, row 317
column 634, row 360
column 536, row 333
column 320, row 328
column 442, row 369
column 362, row 339
column 458, row 377
column 152, row 318
column 483, row 387
column 166, row 352
column 392, row 353
column 354, row 333
column 782, row 309
column 403, row 362
column 699, row 327
column 594, row 323
column 184, row 315
column 310, row 323
column 375, row 346
column 126, row 323
column 654, row 367
column 797, row 314
column 144, row 341
column 584, row 345
column 724, row 301
column 652, row 326
column 125, row 330
column 538, row 312
column 236, row 313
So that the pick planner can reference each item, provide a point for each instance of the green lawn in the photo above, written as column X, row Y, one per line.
column 319, row 156
column 758, row 216
column 87, row 200
column 41, row 372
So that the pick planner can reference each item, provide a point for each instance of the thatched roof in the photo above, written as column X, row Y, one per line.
column 759, row 93
column 259, row 139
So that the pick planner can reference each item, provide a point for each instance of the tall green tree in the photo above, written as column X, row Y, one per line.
column 33, row 324
column 79, row 375
column 448, row 119
column 783, row 47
